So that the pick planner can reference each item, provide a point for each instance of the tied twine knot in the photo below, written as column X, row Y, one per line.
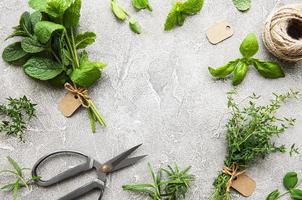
column 233, row 172
column 80, row 93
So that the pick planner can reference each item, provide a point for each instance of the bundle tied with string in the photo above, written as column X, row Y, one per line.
column 282, row 35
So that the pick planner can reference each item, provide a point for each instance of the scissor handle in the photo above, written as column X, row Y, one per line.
column 88, row 165
column 97, row 184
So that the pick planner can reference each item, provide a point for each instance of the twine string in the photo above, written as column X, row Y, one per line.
column 233, row 172
column 81, row 93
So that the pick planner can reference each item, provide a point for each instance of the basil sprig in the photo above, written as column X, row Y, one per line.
column 240, row 66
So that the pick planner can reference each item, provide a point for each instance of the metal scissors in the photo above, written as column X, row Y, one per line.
column 119, row 162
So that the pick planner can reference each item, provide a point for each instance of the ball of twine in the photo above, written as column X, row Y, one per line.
column 283, row 33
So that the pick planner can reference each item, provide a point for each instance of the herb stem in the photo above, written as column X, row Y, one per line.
column 98, row 116
column 74, row 48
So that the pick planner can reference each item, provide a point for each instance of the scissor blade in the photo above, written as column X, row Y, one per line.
column 116, row 160
column 127, row 162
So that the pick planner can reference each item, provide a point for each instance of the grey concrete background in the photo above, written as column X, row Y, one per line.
column 156, row 90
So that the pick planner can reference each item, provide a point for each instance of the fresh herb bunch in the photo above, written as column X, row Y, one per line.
column 49, row 47
column 168, row 184
column 20, row 181
column 242, row 5
column 180, row 11
column 249, row 135
column 240, row 66
column 122, row 15
column 290, row 182
column 15, row 115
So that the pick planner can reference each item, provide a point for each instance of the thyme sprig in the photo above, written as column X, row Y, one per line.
column 15, row 115
column 249, row 135
column 168, row 184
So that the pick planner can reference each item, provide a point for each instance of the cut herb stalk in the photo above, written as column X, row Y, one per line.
column 249, row 136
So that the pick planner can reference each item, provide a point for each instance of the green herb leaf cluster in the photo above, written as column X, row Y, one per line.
column 20, row 181
column 249, row 135
column 290, row 182
column 15, row 115
column 168, row 184
column 49, row 45
column 122, row 15
column 240, row 66
column 180, row 11
column 242, row 5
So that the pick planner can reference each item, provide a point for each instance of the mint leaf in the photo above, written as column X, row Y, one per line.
column 223, row 71
column 84, row 39
column 191, row 7
column 13, row 53
column 274, row 195
column 290, row 180
column 39, row 5
column 239, row 73
column 42, row 68
column 118, row 11
column 249, row 46
column 134, row 26
column 59, row 80
column 32, row 45
column 56, row 8
column 44, row 30
column 35, row 18
column 242, row 5
column 296, row 194
column 268, row 69
column 141, row 4
column 72, row 15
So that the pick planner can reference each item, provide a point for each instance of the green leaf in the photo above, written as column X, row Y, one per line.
column 142, row 188
column 134, row 26
column 13, row 53
column 57, row 8
column 242, row 5
column 84, row 39
column 296, row 194
column 224, row 70
column 191, row 7
column 87, row 74
column 175, row 17
column 42, row 68
column 239, row 73
column 118, row 11
column 25, row 23
column 39, row 5
column 35, row 18
column 45, row 29
column 72, row 15
column 8, row 187
column 16, row 189
column 249, row 46
column 15, row 165
column 268, row 69
column 32, row 45
column 290, row 180
column 141, row 4
column 274, row 195
column 59, row 80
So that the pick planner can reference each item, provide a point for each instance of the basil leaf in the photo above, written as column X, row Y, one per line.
column 44, row 30
column 274, row 195
column 223, row 71
column 175, row 17
column 134, row 26
column 141, row 4
column 242, row 5
column 13, row 53
column 268, row 69
column 296, row 194
column 84, row 39
column 290, row 180
column 59, row 80
column 72, row 14
column 239, row 73
column 118, row 11
column 249, row 46
column 42, row 68
column 32, row 45
column 191, row 7
column 87, row 74
column 35, row 18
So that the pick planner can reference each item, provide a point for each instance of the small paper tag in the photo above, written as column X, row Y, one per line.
column 244, row 184
column 219, row 32
column 69, row 104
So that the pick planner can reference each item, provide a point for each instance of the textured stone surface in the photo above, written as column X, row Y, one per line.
column 156, row 90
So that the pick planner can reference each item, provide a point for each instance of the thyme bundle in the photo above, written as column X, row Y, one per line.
column 249, row 136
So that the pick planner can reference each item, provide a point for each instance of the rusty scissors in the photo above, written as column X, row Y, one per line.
column 119, row 162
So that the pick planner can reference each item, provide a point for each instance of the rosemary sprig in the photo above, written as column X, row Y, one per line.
column 168, row 184
column 15, row 115
column 249, row 133
column 20, row 181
